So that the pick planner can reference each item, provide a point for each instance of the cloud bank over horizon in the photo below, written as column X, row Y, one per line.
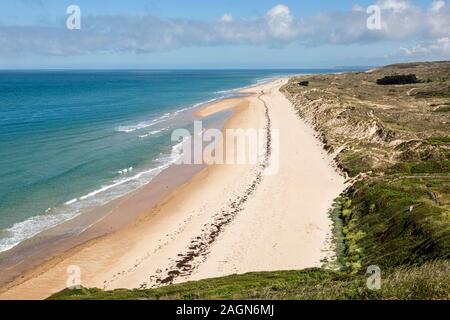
column 427, row 29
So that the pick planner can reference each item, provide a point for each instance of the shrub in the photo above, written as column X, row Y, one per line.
column 398, row 79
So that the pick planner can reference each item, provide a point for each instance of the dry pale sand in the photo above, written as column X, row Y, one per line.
column 227, row 219
column 285, row 224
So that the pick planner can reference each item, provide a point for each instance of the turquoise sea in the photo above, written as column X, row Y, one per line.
column 70, row 140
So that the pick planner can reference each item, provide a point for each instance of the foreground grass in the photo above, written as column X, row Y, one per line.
column 429, row 281
column 392, row 221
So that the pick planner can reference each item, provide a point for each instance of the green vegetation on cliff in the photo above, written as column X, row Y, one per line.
column 393, row 142
column 396, row 221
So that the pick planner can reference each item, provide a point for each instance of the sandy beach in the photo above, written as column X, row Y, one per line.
column 229, row 218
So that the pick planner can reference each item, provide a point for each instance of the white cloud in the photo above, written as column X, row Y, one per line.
column 280, row 22
column 147, row 33
column 436, row 6
column 227, row 17
column 279, row 10
column 439, row 47
column 400, row 19
column 438, row 20
column 357, row 8
column 394, row 5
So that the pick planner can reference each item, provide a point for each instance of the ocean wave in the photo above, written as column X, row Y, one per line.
column 140, row 125
column 151, row 133
column 71, row 201
column 54, row 216
column 126, row 170
column 146, row 124
column 165, row 117
column 32, row 226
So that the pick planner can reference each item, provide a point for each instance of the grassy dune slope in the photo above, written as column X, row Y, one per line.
column 393, row 142
column 426, row 282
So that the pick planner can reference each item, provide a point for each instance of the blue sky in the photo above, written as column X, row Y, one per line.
column 220, row 33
